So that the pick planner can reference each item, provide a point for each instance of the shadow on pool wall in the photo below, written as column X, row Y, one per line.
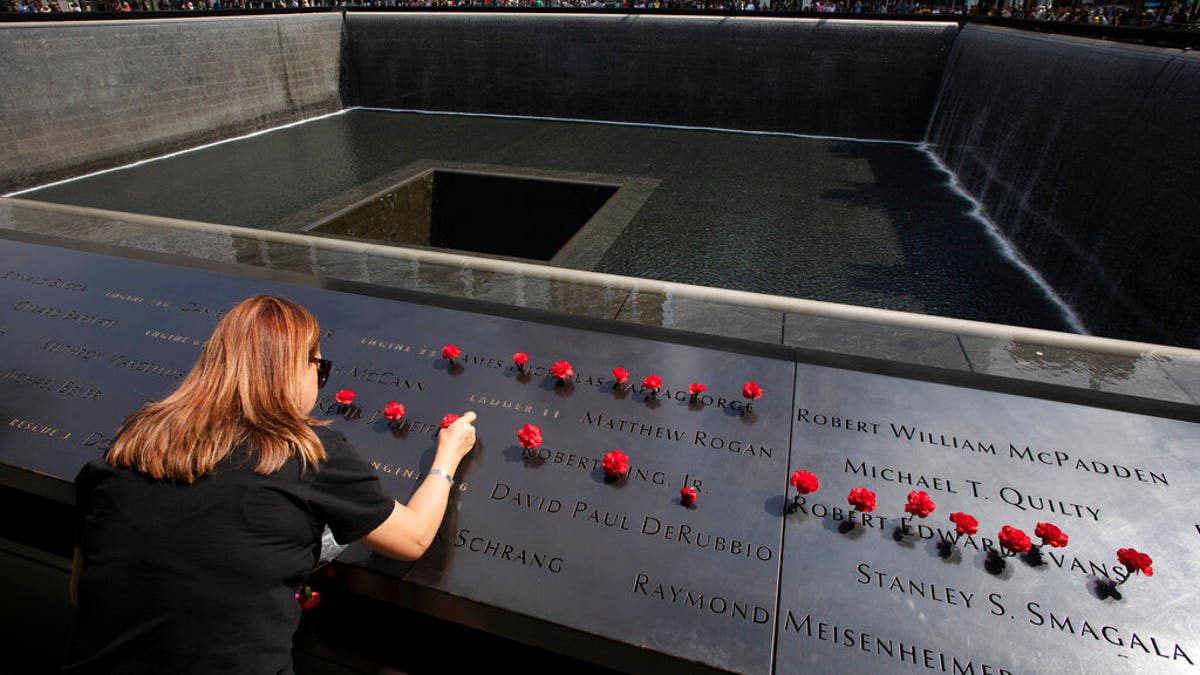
column 1083, row 153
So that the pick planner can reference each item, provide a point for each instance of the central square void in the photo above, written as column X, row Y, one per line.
column 499, row 214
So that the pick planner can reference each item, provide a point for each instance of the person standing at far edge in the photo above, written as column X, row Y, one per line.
column 206, row 513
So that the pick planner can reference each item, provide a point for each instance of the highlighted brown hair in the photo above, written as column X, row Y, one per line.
column 246, row 388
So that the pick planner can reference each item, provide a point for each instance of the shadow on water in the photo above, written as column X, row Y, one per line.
column 931, row 247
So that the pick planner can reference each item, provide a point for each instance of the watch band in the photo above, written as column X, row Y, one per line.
column 443, row 473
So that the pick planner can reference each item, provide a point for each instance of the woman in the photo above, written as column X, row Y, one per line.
column 206, row 513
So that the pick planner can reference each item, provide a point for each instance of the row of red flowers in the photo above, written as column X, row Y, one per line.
column 392, row 412
column 1011, row 539
column 562, row 371
column 614, row 462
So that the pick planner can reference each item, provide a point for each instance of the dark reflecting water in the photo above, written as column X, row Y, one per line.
column 870, row 224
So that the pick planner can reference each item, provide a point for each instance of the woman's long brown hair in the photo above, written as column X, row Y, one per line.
column 246, row 388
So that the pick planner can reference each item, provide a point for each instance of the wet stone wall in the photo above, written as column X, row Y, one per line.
column 863, row 79
column 92, row 95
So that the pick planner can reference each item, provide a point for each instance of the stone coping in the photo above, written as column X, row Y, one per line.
column 1146, row 371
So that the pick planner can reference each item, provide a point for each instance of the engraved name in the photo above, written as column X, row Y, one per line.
column 64, row 314
column 689, row 598
column 35, row 280
column 502, row 551
column 888, row 648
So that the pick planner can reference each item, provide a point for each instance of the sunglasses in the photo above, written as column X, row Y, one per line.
column 323, row 368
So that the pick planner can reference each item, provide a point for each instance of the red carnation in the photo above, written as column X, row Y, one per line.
column 448, row 420
column 621, row 375
column 313, row 599
column 964, row 523
column 695, row 389
column 530, row 436
column 1014, row 540
column 751, row 390
column 562, row 370
column 450, row 352
column 1050, row 535
column 307, row 597
column 919, row 504
column 862, row 499
column 688, row 495
column 345, row 396
column 1135, row 561
column 520, row 358
column 805, row 482
column 615, row 463
column 393, row 411
column 652, row 382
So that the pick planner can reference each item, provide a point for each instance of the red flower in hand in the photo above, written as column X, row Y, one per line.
column 520, row 358
column 652, row 382
column 862, row 499
column 805, row 482
column 393, row 411
column 345, row 396
column 688, row 495
column 1050, row 535
column 313, row 599
column 615, row 463
column 919, row 504
column 450, row 352
column 621, row 375
column 751, row 390
column 448, row 420
column 530, row 436
column 1014, row 540
column 562, row 370
column 964, row 523
column 1135, row 561
column 695, row 388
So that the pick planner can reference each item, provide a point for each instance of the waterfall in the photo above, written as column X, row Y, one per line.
column 1084, row 154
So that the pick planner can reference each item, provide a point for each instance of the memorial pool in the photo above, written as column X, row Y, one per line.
column 860, row 222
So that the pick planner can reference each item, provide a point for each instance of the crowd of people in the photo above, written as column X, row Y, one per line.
column 1175, row 14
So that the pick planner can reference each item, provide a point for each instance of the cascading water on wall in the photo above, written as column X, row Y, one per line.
column 1085, row 155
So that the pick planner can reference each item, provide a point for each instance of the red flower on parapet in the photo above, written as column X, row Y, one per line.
column 448, row 420
column 393, row 411
column 919, row 504
column 695, row 389
column 345, row 396
column 862, row 499
column 1050, row 535
column 688, row 495
column 1135, row 561
column 450, row 352
column 1014, row 540
column 751, row 390
column 620, row 375
column 520, row 359
column 805, row 482
column 615, row 463
column 652, row 383
column 529, row 436
column 964, row 523
column 562, row 370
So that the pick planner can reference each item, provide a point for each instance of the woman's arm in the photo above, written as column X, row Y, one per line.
column 409, row 531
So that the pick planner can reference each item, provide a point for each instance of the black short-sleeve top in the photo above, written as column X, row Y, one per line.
column 201, row 578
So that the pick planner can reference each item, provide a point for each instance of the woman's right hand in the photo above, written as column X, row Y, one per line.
column 456, row 440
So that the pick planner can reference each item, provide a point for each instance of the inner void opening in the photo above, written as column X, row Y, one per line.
column 507, row 215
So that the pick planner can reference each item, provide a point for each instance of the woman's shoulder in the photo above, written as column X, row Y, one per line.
column 332, row 439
